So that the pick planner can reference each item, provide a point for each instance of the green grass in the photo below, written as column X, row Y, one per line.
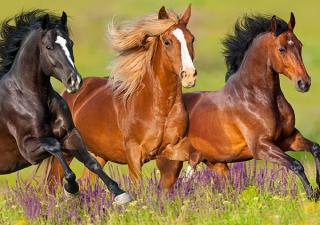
column 210, row 21
column 244, row 198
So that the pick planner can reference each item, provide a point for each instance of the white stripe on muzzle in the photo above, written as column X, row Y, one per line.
column 63, row 43
column 185, row 55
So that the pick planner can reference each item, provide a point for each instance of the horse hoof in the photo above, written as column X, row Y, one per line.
column 71, row 188
column 314, row 196
column 122, row 199
column 70, row 195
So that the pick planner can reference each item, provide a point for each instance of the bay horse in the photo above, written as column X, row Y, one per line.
column 250, row 117
column 137, row 113
column 35, row 121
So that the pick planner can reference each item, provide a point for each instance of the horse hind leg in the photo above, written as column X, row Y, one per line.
column 270, row 152
column 297, row 142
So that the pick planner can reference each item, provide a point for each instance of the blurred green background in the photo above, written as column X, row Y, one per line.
column 211, row 20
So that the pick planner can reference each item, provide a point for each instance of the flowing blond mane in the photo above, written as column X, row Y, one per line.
column 134, row 50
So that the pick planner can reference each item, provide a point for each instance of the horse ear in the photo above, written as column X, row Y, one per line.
column 292, row 22
column 186, row 16
column 163, row 14
column 45, row 21
column 274, row 24
column 64, row 19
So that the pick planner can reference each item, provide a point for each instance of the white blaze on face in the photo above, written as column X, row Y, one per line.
column 185, row 55
column 290, row 42
column 63, row 43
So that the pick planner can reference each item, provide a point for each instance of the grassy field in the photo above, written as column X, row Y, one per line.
column 211, row 20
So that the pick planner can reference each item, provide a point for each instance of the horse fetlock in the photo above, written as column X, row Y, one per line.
column 70, row 177
column 297, row 167
column 316, row 150
column 313, row 195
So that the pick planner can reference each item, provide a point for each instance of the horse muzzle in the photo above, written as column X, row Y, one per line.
column 188, row 78
column 303, row 85
column 74, row 82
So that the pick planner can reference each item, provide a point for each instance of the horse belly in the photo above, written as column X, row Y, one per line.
column 224, row 152
column 218, row 139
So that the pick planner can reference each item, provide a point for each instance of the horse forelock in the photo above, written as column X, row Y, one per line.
column 134, row 41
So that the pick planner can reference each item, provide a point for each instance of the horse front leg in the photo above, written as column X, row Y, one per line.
column 266, row 150
column 134, row 159
column 54, row 172
column 37, row 146
column 297, row 142
column 169, row 172
column 73, row 144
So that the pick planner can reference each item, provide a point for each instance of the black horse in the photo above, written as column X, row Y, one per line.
column 35, row 121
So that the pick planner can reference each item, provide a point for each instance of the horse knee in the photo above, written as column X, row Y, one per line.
column 167, row 180
column 73, row 140
column 51, row 145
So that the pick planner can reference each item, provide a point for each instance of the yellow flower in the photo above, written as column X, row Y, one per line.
column 21, row 222
column 309, row 207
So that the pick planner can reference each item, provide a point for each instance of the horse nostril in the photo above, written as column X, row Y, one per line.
column 195, row 73
column 71, row 82
column 301, row 83
column 183, row 74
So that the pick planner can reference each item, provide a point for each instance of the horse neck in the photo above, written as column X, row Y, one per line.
column 164, row 84
column 255, row 71
column 26, row 70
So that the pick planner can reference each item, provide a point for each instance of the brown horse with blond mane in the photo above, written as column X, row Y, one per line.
column 138, row 113
column 250, row 117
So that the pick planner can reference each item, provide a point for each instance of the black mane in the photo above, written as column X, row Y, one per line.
column 245, row 30
column 14, row 30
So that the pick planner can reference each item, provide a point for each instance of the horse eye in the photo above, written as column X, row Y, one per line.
column 167, row 42
column 282, row 50
column 49, row 47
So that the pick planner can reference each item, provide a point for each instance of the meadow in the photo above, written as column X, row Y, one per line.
column 207, row 200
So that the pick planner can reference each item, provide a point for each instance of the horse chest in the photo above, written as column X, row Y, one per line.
column 282, row 122
column 168, row 129
column 286, row 121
